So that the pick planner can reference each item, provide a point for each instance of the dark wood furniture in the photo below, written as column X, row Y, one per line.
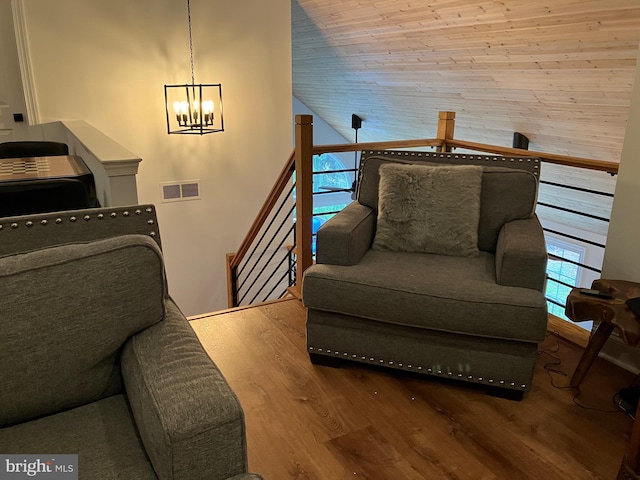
column 31, row 185
column 611, row 313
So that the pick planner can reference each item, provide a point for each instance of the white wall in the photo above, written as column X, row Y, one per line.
column 11, row 98
column 622, row 255
column 107, row 62
column 323, row 133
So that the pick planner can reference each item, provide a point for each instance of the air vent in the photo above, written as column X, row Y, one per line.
column 190, row 190
column 180, row 191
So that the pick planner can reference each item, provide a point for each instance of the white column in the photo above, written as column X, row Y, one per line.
column 622, row 255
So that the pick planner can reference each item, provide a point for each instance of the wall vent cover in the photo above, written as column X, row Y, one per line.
column 180, row 191
column 190, row 190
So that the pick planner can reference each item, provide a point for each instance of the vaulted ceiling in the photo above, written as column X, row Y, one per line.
column 558, row 71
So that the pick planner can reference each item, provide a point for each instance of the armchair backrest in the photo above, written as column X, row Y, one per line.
column 509, row 185
column 30, row 232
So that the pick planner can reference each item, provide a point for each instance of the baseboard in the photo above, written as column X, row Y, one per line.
column 614, row 351
column 621, row 354
column 200, row 316
column 569, row 331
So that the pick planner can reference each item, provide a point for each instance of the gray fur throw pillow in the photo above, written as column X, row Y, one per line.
column 429, row 209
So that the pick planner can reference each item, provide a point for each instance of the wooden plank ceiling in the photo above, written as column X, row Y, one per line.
column 558, row 71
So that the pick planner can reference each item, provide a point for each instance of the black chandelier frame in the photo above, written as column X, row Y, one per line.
column 195, row 122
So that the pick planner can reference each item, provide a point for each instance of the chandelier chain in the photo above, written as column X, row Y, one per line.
column 193, row 76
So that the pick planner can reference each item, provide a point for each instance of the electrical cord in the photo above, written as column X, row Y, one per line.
column 551, row 368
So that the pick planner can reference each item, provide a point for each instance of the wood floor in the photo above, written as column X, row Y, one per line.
column 322, row 423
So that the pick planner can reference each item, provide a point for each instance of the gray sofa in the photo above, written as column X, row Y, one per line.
column 472, row 318
column 97, row 360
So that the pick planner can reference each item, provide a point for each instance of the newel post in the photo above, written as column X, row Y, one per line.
column 232, row 281
column 446, row 127
column 304, row 197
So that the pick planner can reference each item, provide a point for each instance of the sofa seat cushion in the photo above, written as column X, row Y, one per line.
column 456, row 294
column 102, row 433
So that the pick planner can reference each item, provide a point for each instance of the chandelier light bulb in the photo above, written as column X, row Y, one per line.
column 181, row 110
column 207, row 112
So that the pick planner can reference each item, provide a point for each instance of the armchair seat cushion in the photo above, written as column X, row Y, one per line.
column 436, row 292
column 103, row 434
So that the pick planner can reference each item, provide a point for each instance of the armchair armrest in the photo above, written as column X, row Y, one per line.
column 189, row 419
column 345, row 238
column 521, row 254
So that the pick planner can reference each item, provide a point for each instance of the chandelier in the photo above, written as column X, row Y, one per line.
column 193, row 108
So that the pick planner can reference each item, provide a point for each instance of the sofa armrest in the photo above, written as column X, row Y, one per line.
column 190, row 421
column 345, row 238
column 521, row 255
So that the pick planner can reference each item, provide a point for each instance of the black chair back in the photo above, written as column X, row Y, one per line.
column 46, row 195
column 32, row 149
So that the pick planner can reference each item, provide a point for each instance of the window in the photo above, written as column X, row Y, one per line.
column 328, row 162
column 332, row 190
column 329, row 199
column 563, row 275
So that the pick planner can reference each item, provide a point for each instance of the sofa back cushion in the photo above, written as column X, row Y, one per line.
column 66, row 311
column 507, row 193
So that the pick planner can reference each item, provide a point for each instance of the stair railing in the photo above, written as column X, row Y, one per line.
column 301, row 162
column 280, row 193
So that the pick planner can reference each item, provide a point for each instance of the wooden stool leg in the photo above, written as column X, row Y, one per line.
column 596, row 343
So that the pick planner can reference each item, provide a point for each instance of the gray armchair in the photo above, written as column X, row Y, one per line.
column 474, row 318
column 97, row 360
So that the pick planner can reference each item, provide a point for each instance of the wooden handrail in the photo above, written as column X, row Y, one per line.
column 279, row 187
column 356, row 147
column 602, row 165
